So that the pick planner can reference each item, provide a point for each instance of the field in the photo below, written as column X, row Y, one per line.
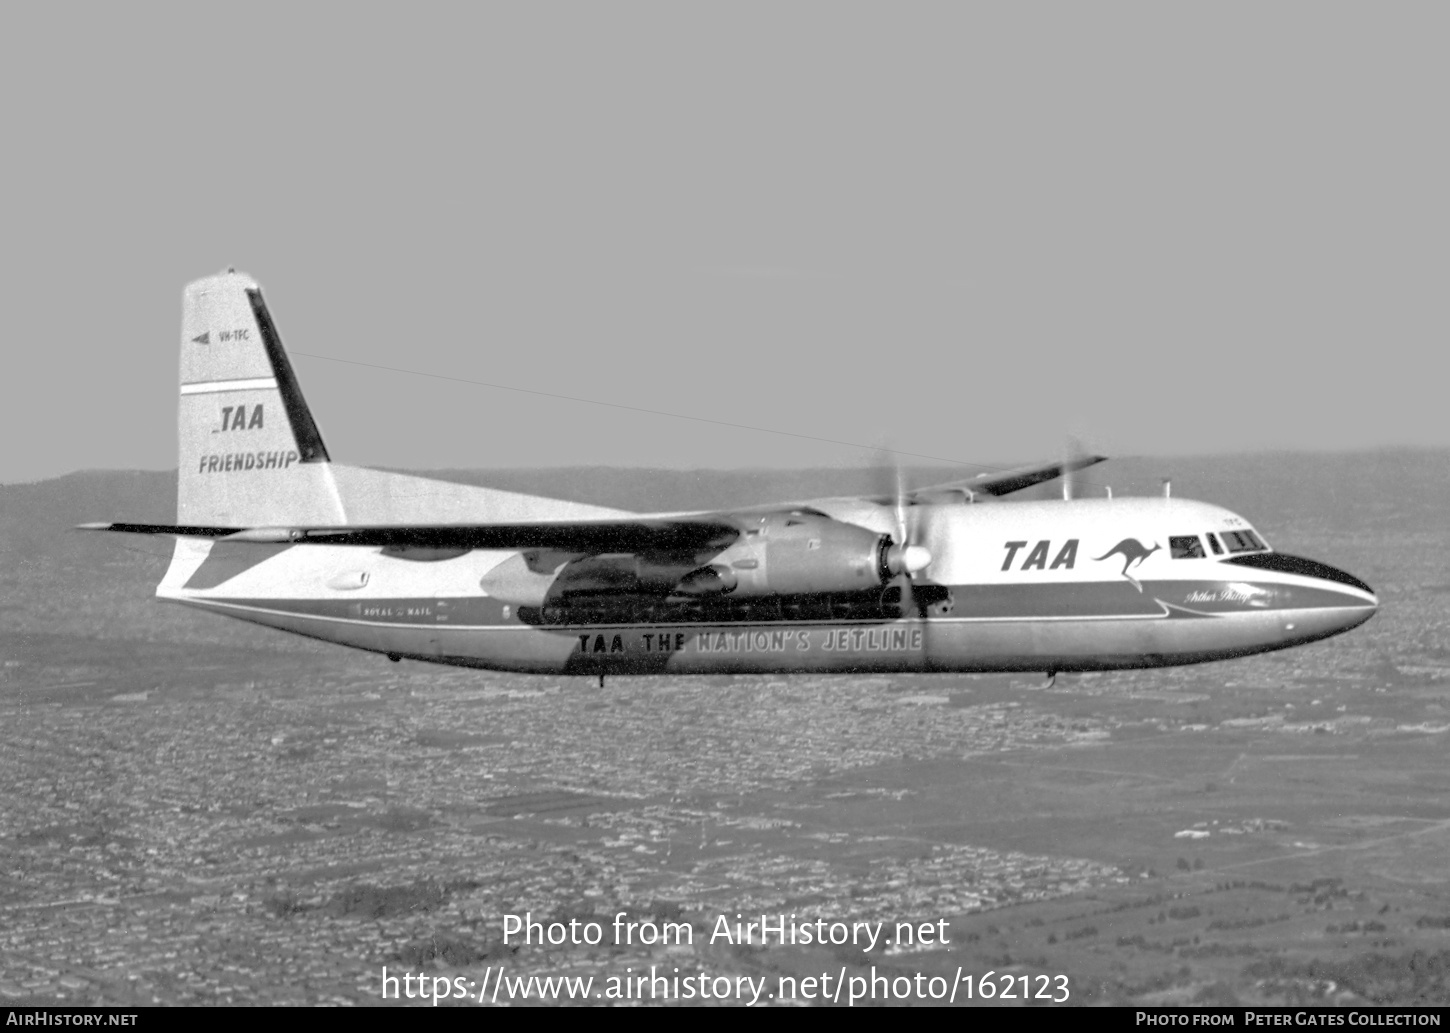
column 197, row 811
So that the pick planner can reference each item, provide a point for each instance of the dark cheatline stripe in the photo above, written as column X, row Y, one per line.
column 425, row 610
column 1062, row 599
column 304, row 429
column 1283, row 563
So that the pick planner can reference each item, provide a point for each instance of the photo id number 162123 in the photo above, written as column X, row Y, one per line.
column 1007, row 986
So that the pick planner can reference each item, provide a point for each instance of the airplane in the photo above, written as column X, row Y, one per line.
column 951, row 578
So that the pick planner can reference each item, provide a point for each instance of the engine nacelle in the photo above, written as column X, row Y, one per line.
column 802, row 552
column 794, row 552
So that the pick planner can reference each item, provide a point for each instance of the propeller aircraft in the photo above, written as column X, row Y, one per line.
column 954, row 577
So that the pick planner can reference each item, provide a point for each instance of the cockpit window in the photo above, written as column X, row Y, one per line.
column 1243, row 541
column 1213, row 544
column 1186, row 547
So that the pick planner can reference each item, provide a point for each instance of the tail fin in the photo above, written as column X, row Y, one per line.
column 250, row 452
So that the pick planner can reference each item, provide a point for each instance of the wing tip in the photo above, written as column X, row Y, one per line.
column 177, row 530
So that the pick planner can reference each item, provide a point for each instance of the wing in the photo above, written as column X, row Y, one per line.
column 670, row 534
column 643, row 535
column 995, row 485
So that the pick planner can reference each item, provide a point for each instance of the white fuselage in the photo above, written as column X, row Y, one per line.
column 1088, row 584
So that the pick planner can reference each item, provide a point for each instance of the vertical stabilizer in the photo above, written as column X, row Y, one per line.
column 250, row 451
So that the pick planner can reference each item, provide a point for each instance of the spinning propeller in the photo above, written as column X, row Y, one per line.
column 905, row 555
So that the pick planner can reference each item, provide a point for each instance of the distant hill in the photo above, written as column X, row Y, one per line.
column 36, row 518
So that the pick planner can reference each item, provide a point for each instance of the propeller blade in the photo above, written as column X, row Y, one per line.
column 1074, row 458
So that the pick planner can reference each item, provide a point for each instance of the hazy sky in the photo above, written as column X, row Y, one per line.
column 963, row 229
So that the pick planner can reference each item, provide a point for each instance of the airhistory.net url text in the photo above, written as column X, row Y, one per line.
column 496, row 984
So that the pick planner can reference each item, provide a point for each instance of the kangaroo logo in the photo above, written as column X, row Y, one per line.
column 1133, row 553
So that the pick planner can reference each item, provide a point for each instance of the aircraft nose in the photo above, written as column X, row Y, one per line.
column 1361, row 604
column 1333, row 579
column 1337, row 601
column 1370, row 598
column 1337, row 607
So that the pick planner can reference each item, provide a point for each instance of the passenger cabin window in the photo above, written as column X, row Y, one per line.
column 1242, row 541
column 1213, row 544
column 1186, row 547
